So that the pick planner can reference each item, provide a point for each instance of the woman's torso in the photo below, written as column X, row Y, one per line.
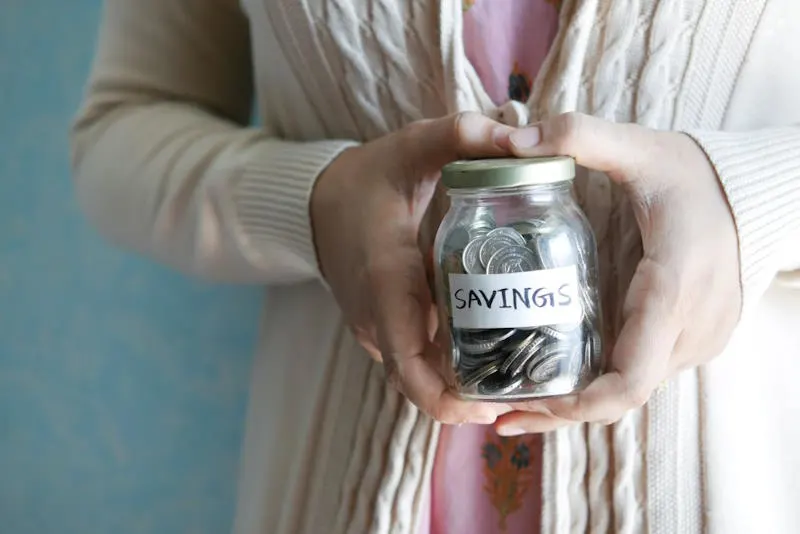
column 347, row 454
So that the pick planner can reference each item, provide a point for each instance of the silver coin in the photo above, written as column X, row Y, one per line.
column 477, row 376
column 556, row 250
column 516, row 361
column 480, row 228
column 594, row 345
column 482, row 224
column 482, row 341
column 498, row 239
column 471, row 257
column 529, row 227
column 532, row 229
column 475, row 233
column 555, row 333
column 499, row 384
column 546, row 369
column 512, row 259
column 588, row 301
column 471, row 362
column 568, row 328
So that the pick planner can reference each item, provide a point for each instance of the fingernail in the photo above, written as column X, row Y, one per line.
column 500, row 136
column 526, row 137
column 509, row 431
column 483, row 419
column 504, row 409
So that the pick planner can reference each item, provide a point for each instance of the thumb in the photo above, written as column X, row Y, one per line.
column 435, row 143
column 616, row 149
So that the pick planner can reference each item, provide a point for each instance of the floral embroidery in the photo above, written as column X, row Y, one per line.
column 466, row 4
column 519, row 84
column 507, row 472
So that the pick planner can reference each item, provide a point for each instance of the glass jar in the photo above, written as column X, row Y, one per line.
column 517, row 281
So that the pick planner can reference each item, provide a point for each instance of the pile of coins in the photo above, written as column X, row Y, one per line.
column 517, row 362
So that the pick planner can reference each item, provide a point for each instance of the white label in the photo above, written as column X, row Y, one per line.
column 515, row 300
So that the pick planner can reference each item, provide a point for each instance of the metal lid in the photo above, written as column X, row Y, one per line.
column 507, row 172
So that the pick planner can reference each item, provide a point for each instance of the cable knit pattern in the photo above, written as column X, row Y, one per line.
column 668, row 37
column 654, row 33
column 563, row 96
column 640, row 47
column 370, row 410
column 711, row 75
column 578, row 502
column 599, row 483
column 621, row 24
column 372, row 485
column 354, row 70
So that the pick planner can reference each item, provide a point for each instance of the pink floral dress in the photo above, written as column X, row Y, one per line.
column 483, row 483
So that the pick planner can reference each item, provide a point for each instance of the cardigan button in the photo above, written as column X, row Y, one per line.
column 512, row 113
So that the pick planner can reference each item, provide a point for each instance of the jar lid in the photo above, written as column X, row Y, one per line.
column 507, row 172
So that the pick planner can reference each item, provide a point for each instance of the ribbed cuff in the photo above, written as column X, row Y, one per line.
column 760, row 173
column 271, row 200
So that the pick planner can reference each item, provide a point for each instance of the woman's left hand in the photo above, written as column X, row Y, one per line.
column 685, row 297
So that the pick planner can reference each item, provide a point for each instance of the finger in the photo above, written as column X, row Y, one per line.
column 639, row 362
column 617, row 149
column 518, row 423
column 468, row 135
column 367, row 341
column 402, row 306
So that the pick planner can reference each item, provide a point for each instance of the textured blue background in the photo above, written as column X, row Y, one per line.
column 122, row 385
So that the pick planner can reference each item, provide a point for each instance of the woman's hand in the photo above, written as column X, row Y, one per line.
column 367, row 209
column 685, row 297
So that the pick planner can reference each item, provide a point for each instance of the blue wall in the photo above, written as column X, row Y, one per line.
column 122, row 385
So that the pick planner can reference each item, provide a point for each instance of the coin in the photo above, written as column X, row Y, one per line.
column 515, row 361
column 555, row 250
column 527, row 228
column 594, row 345
column 588, row 301
column 567, row 328
column 498, row 239
column 482, row 224
column 555, row 333
column 553, row 359
column 482, row 373
column 471, row 256
column 512, row 259
column 480, row 229
column 482, row 341
column 499, row 384
column 546, row 369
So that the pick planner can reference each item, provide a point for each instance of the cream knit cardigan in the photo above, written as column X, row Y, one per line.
column 165, row 165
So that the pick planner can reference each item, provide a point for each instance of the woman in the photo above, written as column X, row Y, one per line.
column 326, row 199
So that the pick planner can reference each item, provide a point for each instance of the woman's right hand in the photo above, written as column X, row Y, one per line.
column 367, row 209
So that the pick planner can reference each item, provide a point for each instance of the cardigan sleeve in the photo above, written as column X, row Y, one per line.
column 163, row 160
column 760, row 174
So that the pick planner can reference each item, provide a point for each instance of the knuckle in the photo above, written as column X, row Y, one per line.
column 460, row 121
column 567, row 130
column 444, row 415
column 407, row 140
column 635, row 396
column 610, row 420
column 463, row 123
column 571, row 412
column 413, row 129
column 392, row 373
column 378, row 269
